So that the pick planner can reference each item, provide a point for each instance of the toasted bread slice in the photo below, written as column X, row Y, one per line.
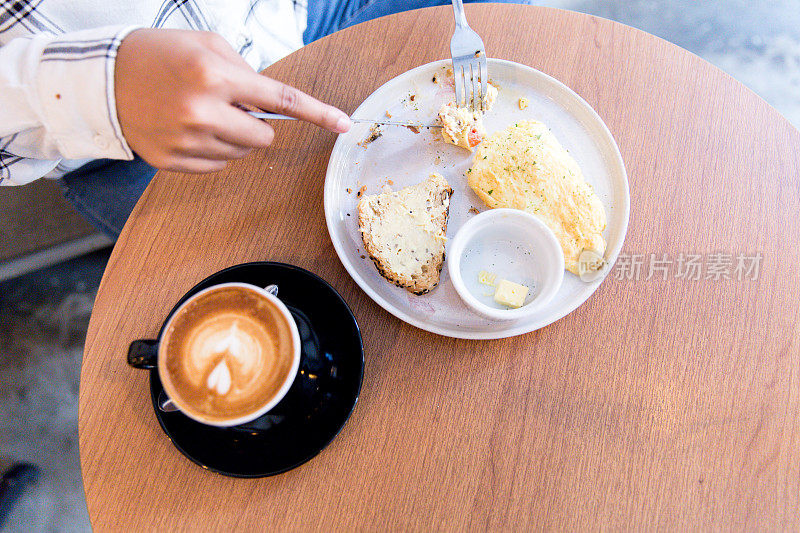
column 404, row 232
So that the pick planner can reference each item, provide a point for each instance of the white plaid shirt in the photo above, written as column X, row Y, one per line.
column 57, row 105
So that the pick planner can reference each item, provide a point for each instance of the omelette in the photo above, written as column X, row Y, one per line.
column 525, row 167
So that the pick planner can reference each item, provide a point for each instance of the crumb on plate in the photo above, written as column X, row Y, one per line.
column 374, row 133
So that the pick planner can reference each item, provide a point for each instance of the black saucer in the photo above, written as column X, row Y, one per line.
column 317, row 406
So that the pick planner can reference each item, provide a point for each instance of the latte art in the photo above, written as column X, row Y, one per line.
column 227, row 354
column 232, row 342
column 220, row 379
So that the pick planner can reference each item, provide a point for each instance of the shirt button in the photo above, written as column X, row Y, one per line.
column 101, row 141
column 242, row 40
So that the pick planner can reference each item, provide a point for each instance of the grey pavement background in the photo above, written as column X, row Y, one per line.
column 44, row 315
column 43, row 321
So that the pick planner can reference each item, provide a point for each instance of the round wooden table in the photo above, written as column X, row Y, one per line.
column 667, row 402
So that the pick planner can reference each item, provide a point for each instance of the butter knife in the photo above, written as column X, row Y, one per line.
column 276, row 116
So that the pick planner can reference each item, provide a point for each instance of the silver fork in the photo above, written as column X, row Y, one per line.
column 469, row 61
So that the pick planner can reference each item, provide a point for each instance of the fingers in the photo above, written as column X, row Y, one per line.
column 272, row 95
column 198, row 155
column 174, row 92
column 215, row 149
column 241, row 129
column 206, row 145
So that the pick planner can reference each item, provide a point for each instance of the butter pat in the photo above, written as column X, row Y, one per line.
column 510, row 294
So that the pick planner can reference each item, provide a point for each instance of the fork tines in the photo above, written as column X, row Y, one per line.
column 470, row 73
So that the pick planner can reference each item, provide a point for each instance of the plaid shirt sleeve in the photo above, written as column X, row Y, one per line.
column 57, row 101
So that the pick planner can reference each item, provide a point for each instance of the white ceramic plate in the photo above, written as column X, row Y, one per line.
column 407, row 158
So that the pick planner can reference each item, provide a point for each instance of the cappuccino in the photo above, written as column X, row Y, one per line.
column 228, row 354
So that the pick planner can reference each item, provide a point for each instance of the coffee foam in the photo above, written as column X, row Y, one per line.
column 227, row 354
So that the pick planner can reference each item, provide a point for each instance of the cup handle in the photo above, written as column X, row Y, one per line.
column 143, row 353
column 272, row 289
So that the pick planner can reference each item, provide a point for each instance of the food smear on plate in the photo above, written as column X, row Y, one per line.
column 510, row 294
column 404, row 232
column 487, row 278
column 525, row 167
column 373, row 135
column 523, row 103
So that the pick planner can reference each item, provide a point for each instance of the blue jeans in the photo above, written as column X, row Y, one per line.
column 328, row 16
column 105, row 191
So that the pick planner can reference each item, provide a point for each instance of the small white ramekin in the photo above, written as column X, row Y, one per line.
column 517, row 246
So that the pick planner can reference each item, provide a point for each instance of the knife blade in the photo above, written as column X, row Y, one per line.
column 276, row 116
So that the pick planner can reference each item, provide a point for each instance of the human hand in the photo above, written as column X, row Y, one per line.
column 176, row 91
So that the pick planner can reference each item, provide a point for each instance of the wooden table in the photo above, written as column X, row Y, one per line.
column 668, row 403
